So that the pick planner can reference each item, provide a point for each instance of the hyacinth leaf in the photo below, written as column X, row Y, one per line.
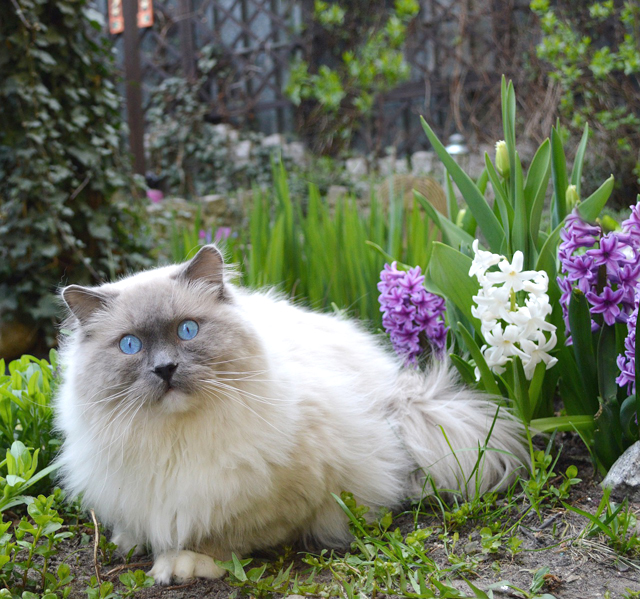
column 505, row 208
column 449, row 270
column 486, row 376
column 580, row 323
column 628, row 418
column 607, row 437
column 576, row 172
column 508, row 97
column 520, row 233
column 491, row 228
column 590, row 208
column 464, row 368
column 562, row 423
column 548, row 254
column 570, row 383
column 607, row 367
column 559, row 172
column 452, row 233
column 535, row 187
column 452, row 202
column 535, row 386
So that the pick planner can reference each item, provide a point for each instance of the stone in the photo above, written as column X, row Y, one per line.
column 401, row 166
column 296, row 151
column 274, row 140
column 624, row 476
column 214, row 204
column 335, row 192
column 387, row 165
column 242, row 152
column 422, row 163
column 356, row 167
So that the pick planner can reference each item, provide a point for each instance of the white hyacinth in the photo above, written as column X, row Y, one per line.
column 511, row 329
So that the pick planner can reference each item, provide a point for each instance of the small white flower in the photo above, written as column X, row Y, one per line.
column 539, row 285
column 511, row 273
column 531, row 317
column 503, row 341
column 482, row 261
column 534, row 353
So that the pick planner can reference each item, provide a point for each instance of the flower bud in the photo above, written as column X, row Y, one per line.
column 460, row 217
column 502, row 158
column 572, row 198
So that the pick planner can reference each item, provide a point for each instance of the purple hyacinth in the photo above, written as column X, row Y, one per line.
column 410, row 314
column 606, row 268
column 627, row 361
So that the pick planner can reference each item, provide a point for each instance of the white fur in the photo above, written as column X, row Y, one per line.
column 322, row 409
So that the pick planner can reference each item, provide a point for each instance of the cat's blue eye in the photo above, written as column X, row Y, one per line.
column 187, row 329
column 130, row 344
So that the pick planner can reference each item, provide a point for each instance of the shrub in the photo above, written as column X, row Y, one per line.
column 593, row 49
column 365, row 60
column 66, row 209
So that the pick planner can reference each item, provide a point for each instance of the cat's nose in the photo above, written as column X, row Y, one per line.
column 165, row 371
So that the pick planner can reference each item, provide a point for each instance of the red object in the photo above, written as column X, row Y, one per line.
column 116, row 16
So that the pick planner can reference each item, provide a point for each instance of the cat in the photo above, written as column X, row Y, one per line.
column 201, row 419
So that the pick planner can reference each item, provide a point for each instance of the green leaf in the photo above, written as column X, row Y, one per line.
column 520, row 233
column 486, row 376
column 535, row 187
column 505, row 208
column 464, row 368
column 562, row 423
column 452, row 234
column 559, row 171
column 576, row 172
column 607, row 367
column 481, row 210
column 590, row 208
column 449, row 270
column 580, row 323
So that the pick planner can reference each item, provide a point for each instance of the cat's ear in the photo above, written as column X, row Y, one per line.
column 206, row 266
column 85, row 301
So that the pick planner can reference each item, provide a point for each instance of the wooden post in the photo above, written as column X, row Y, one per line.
column 133, row 78
column 186, row 39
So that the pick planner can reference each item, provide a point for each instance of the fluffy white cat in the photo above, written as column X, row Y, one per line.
column 202, row 419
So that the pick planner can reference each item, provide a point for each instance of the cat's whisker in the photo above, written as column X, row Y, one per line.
column 238, row 400
column 262, row 399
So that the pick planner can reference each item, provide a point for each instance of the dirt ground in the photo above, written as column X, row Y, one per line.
column 578, row 568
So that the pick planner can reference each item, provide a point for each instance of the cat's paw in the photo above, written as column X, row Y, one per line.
column 183, row 565
column 126, row 543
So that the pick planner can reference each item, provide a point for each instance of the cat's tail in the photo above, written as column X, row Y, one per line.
column 459, row 439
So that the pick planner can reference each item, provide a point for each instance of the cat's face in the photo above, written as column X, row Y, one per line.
column 163, row 340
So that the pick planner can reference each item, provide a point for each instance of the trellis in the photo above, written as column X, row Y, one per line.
column 458, row 49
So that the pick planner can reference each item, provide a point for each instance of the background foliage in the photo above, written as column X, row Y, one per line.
column 67, row 199
column 593, row 49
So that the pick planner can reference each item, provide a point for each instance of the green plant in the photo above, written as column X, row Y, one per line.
column 593, row 51
column 25, row 405
column 616, row 522
column 365, row 65
column 68, row 202
column 329, row 257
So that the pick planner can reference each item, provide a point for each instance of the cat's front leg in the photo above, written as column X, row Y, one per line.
column 183, row 565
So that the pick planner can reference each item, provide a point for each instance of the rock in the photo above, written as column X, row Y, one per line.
column 624, row 476
column 274, row 140
column 214, row 204
column 422, row 163
column 335, row 192
column 387, row 165
column 356, row 167
column 401, row 166
column 296, row 151
column 242, row 152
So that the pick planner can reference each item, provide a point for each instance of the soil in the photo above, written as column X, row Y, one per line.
column 579, row 568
